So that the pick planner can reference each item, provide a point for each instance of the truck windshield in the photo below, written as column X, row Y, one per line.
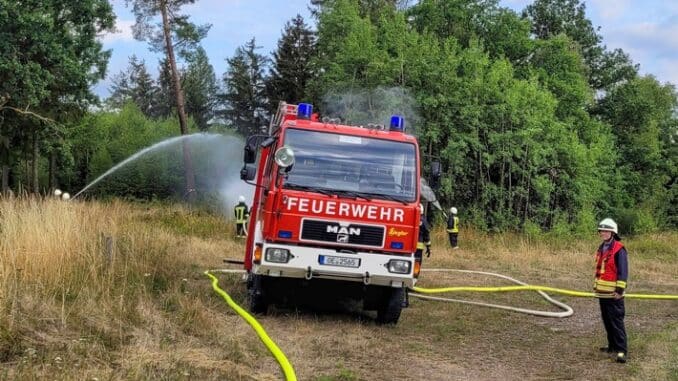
column 371, row 168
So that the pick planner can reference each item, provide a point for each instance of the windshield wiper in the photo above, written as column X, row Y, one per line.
column 351, row 194
column 309, row 188
column 383, row 196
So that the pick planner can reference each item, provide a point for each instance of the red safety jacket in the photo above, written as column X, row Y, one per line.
column 606, row 270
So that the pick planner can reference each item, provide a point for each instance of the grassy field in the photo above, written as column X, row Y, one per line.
column 113, row 291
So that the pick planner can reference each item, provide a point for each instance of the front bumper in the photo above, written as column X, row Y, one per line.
column 306, row 263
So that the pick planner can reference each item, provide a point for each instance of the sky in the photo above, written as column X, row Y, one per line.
column 645, row 29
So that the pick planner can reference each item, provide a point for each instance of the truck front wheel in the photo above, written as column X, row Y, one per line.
column 392, row 305
column 257, row 295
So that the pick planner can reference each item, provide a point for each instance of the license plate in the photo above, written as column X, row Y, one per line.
column 331, row 260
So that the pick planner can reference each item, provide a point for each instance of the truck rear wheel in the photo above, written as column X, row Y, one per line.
column 392, row 305
column 257, row 295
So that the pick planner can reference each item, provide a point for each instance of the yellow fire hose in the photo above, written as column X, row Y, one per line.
column 287, row 368
column 526, row 287
column 537, row 288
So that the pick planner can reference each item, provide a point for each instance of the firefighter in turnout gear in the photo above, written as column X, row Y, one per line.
column 453, row 227
column 424, row 241
column 241, row 215
column 610, row 283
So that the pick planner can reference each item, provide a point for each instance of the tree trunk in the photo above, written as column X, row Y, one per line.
column 179, row 95
column 52, row 170
column 34, row 164
column 5, row 179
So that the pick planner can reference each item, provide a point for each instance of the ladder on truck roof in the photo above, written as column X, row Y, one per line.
column 282, row 114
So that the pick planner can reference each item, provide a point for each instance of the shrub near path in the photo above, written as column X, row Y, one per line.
column 115, row 291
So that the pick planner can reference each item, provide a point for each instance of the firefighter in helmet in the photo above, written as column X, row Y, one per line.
column 453, row 227
column 612, row 271
column 241, row 215
column 424, row 241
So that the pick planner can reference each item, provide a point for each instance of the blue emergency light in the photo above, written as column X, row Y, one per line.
column 304, row 110
column 397, row 123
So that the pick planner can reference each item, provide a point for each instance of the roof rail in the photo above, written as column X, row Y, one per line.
column 285, row 111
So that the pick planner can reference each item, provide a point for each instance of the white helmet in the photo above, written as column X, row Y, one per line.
column 608, row 225
column 241, row 199
column 453, row 210
column 421, row 208
column 57, row 192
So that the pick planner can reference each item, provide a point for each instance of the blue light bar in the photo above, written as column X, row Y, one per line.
column 304, row 110
column 397, row 123
column 284, row 234
column 396, row 245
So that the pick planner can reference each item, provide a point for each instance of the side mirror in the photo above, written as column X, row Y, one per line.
column 250, row 154
column 252, row 145
column 248, row 172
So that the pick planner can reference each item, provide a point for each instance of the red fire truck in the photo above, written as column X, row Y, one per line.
column 335, row 212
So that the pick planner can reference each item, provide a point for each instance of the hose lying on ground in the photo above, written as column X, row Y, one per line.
column 420, row 290
column 287, row 368
column 526, row 287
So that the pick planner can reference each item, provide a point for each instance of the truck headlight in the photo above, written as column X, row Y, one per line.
column 399, row 266
column 277, row 255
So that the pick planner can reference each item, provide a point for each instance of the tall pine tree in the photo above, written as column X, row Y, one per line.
column 291, row 68
column 174, row 31
column 200, row 84
column 135, row 85
column 244, row 98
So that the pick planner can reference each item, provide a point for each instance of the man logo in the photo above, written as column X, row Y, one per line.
column 347, row 231
column 342, row 238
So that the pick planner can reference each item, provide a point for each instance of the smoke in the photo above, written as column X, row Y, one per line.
column 360, row 107
column 231, row 187
column 218, row 171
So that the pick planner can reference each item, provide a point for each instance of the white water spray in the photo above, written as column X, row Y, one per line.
column 144, row 151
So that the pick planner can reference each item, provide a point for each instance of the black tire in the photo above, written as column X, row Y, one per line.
column 258, row 301
column 392, row 305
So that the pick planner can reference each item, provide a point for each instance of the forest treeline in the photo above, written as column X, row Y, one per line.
column 538, row 125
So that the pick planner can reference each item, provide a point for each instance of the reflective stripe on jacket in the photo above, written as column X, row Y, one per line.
column 607, row 279
column 453, row 224
column 241, row 213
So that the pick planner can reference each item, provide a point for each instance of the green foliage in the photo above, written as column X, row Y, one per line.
column 291, row 68
column 200, row 86
column 538, row 125
column 642, row 115
column 134, row 85
column 245, row 90
column 512, row 118
column 104, row 139
column 49, row 57
column 550, row 18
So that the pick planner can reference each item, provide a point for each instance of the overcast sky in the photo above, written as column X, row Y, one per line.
column 647, row 30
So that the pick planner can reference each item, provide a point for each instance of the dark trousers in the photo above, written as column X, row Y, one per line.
column 418, row 255
column 453, row 239
column 613, row 313
column 239, row 230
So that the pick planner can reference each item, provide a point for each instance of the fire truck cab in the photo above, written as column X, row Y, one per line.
column 335, row 212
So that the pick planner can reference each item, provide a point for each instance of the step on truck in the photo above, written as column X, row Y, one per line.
column 335, row 211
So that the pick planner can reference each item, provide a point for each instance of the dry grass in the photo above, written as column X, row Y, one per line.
column 74, row 307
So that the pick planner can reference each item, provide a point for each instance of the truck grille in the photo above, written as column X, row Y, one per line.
column 348, row 234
